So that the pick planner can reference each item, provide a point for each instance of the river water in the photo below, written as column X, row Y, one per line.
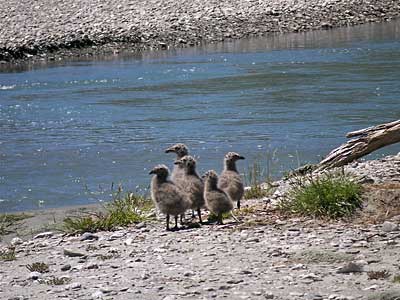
column 69, row 131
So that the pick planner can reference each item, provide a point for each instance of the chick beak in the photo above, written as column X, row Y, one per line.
column 177, row 162
column 168, row 150
column 152, row 172
column 241, row 157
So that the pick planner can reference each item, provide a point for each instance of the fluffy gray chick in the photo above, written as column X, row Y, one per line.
column 217, row 201
column 180, row 150
column 168, row 198
column 230, row 181
column 191, row 183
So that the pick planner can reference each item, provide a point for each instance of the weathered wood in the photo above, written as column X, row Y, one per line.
column 368, row 140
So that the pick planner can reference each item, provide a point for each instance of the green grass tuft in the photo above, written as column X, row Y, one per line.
column 212, row 218
column 40, row 267
column 256, row 192
column 8, row 255
column 7, row 221
column 56, row 281
column 257, row 174
column 396, row 279
column 124, row 210
column 333, row 195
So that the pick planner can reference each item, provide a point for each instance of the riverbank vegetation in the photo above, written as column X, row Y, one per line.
column 331, row 195
column 123, row 210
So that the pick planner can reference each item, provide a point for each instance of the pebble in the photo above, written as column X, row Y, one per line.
column 73, row 253
column 97, row 295
column 390, row 226
column 66, row 267
column 88, row 236
column 16, row 241
column 351, row 267
column 74, row 286
column 42, row 235
column 35, row 275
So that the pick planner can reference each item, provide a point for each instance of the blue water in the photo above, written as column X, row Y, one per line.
column 70, row 130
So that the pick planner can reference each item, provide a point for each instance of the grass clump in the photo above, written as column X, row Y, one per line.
column 122, row 211
column 40, row 267
column 212, row 218
column 334, row 195
column 56, row 280
column 258, row 174
column 378, row 274
column 319, row 256
column 8, row 221
column 8, row 255
column 396, row 279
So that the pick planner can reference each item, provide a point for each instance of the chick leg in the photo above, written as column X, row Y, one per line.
column 167, row 221
column 199, row 213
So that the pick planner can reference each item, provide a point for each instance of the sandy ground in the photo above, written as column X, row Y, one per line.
column 262, row 257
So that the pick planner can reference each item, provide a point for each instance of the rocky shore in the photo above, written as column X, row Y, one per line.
column 265, row 256
column 49, row 30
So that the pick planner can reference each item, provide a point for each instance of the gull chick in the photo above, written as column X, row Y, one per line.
column 230, row 181
column 168, row 198
column 217, row 201
column 191, row 183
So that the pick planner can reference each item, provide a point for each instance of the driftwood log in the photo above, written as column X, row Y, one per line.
column 367, row 140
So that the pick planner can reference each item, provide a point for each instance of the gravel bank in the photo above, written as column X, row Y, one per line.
column 52, row 29
column 278, row 259
column 265, row 256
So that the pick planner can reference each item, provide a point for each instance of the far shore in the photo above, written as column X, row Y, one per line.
column 68, row 29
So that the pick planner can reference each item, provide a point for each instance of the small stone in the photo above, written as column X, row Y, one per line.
column 97, row 295
column 88, row 236
column 66, row 267
column 92, row 266
column 390, row 226
column 372, row 287
column 73, row 253
column 74, row 286
column 46, row 234
column 16, row 241
column 140, row 225
column 170, row 297
column 351, row 267
column 269, row 296
column 34, row 275
column 128, row 241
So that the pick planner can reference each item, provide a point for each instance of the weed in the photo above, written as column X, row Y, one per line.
column 333, row 195
column 316, row 256
column 212, row 218
column 40, row 267
column 396, row 279
column 107, row 256
column 256, row 192
column 378, row 274
column 56, row 280
column 257, row 174
column 7, row 221
column 123, row 210
column 8, row 255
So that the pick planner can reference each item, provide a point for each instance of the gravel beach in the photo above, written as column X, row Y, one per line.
column 265, row 256
column 51, row 30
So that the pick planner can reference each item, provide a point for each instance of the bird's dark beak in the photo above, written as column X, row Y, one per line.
column 151, row 172
column 241, row 157
column 177, row 162
column 168, row 150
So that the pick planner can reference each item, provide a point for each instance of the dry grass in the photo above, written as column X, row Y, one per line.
column 381, row 202
column 40, row 267
column 378, row 274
